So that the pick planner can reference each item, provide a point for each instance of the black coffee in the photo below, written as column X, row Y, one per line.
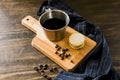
column 54, row 24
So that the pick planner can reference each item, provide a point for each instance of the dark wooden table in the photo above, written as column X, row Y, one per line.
column 17, row 56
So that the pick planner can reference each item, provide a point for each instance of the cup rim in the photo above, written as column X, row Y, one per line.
column 68, row 20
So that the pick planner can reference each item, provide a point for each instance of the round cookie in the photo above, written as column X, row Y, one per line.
column 76, row 40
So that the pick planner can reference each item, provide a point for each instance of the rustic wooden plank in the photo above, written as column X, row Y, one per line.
column 15, row 38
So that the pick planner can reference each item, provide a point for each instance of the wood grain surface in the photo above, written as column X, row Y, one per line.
column 17, row 56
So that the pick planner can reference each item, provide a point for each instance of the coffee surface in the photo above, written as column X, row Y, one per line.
column 54, row 24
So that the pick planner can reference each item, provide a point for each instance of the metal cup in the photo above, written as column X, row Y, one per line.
column 54, row 34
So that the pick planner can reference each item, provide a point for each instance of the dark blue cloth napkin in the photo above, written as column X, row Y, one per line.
column 98, row 64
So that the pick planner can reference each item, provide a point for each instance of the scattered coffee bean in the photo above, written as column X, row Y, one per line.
column 51, row 70
column 45, row 76
column 62, row 57
column 36, row 68
column 56, row 52
column 45, row 65
column 56, row 46
column 42, row 71
column 67, row 49
column 63, row 52
column 67, row 55
column 27, row 19
column 54, row 68
column 71, row 61
column 45, row 68
column 40, row 65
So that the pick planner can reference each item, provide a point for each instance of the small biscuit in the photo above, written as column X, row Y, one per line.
column 76, row 40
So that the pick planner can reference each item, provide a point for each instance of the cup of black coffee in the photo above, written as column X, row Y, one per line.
column 54, row 23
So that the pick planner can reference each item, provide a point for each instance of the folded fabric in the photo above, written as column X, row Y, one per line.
column 98, row 64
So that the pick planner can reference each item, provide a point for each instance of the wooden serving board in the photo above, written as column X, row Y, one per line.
column 47, row 47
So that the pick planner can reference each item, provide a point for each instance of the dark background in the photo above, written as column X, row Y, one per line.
column 17, row 56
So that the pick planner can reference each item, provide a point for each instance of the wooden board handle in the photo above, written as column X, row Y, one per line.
column 31, row 23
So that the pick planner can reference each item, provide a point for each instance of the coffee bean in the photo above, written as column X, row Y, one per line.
column 56, row 46
column 56, row 52
column 42, row 71
column 63, row 50
column 36, row 68
column 51, row 70
column 54, row 68
column 27, row 19
column 45, row 76
column 67, row 55
column 45, row 65
column 41, row 66
column 62, row 57
column 45, row 68
column 66, row 49
column 71, row 61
